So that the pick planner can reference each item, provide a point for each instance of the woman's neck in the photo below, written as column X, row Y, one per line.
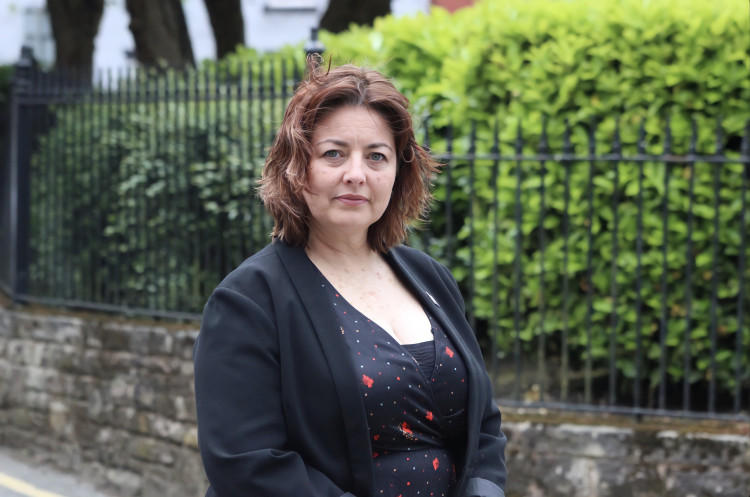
column 342, row 253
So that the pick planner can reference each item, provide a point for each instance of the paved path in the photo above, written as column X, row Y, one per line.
column 20, row 479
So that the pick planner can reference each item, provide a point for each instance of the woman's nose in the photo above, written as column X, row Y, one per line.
column 355, row 172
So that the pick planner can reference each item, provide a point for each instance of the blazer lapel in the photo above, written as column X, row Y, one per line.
column 474, row 368
column 306, row 281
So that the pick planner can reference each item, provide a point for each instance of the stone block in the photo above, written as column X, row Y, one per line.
column 151, row 451
column 6, row 323
column 38, row 401
column 111, row 364
column 191, row 437
column 24, row 326
column 126, row 418
column 165, row 428
column 112, row 448
column 144, row 396
column 93, row 337
column 14, row 386
column 713, row 482
column 83, row 387
column 60, row 420
column 65, row 330
column 14, row 350
column 63, row 357
column 159, row 481
column 121, row 388
column 184, row 341
column 123, row 483
column 143, row 340
column 114, row 338
column 41, row 379
column 184, row 408
column 27, row 419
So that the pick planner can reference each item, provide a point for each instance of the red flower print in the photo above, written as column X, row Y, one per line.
column 376, row 437
column 405, row 429
column 435, row 463
column 429, row 415
column 449, row 351
column 367, row 381
column 374, row 455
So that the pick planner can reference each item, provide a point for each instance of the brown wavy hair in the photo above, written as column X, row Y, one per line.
column 284, row 175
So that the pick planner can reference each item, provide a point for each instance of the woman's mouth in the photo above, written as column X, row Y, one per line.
column 352, row 200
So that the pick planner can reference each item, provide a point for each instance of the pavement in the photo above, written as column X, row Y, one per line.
column 22, row 479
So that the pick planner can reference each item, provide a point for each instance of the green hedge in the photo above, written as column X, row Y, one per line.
column 587, row 61
column 581, row 59
column 149, row 203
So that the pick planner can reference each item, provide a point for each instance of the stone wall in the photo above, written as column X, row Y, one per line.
column 112, row 400
column 550, row 456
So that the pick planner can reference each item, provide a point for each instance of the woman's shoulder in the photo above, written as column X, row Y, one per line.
column 416, row 258
column 422, row 265
column 262, row 269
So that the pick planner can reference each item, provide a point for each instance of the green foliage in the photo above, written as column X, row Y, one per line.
column 149, row 202
column 627, row 63
column 582, row 60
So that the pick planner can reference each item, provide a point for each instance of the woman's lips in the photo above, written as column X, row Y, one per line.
column 351, row 200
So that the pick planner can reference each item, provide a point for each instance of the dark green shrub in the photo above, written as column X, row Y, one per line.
column 150, row 202
column 6, row 73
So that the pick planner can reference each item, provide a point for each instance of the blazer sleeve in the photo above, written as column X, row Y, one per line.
column 488, row 474
column 241, row 429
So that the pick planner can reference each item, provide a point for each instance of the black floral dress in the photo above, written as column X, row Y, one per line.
column 415, row 397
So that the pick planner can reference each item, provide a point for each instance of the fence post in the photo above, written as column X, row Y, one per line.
column 19, row 198
column 313, row 45
column 5, row 193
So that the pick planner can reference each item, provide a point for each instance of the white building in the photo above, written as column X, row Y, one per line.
column 269, row 24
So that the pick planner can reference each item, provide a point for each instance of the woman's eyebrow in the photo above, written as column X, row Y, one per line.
column 378, row 145
column 342, row 143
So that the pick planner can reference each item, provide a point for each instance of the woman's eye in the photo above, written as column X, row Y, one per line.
column 377, row 156
column 331, row 153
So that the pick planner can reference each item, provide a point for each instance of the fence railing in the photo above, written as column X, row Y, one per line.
column 613, row 281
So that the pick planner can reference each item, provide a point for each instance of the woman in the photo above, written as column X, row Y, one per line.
column 336, row 361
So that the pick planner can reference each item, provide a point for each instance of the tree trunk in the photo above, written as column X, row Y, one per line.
column 160, row 33
column 341, row 13
column 74, row 26
column 227, row 24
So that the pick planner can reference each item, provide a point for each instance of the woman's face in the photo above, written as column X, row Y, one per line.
column 351, row 173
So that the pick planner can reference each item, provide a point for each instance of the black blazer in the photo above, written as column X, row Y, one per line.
column 280, row 413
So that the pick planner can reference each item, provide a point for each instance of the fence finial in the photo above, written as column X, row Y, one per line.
column 24, row 65
column 313, row 45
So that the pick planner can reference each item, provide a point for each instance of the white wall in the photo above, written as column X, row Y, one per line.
column 15, row 26
column 267, row 27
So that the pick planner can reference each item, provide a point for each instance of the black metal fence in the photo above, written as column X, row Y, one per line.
column 613, row 281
